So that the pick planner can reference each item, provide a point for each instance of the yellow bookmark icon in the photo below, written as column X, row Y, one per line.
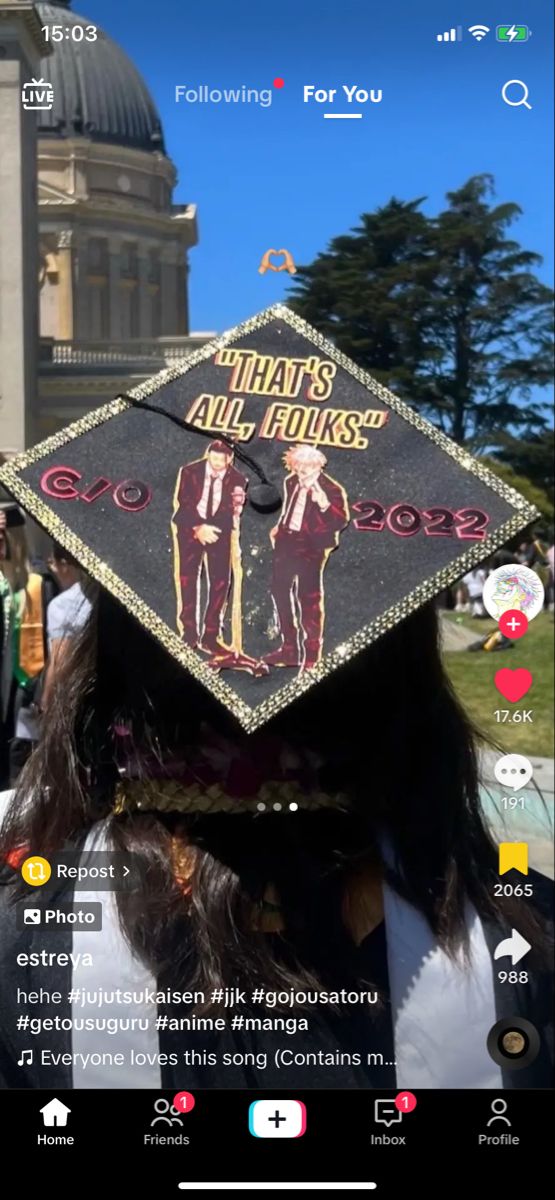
column 513, row 855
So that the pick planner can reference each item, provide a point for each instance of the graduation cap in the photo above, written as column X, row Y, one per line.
column 265, row 509
column 12, row 513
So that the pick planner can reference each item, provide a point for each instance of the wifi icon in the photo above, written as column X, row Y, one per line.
column 478, row 31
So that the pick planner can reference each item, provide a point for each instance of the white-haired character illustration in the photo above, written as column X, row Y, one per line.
column 315, row 510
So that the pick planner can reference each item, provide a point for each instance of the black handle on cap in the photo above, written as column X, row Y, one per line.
column 263, row 496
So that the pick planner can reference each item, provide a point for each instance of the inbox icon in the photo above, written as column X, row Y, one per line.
column 386, row 1112
column 277, row 1118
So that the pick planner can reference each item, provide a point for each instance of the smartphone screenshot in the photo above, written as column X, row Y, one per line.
column 277, row 584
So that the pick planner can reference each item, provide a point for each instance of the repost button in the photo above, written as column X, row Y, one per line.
column 90, row 871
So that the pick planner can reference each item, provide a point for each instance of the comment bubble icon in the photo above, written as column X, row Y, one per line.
column 513, row 771
column 386, row 1113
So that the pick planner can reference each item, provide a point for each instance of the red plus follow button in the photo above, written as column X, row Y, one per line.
column 513, row 624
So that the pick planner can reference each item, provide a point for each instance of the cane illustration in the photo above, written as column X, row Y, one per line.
column 237, row 575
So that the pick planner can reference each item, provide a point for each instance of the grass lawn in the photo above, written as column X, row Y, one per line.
column 472, row 676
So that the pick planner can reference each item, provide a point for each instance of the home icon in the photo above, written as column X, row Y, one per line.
column 55, row 1113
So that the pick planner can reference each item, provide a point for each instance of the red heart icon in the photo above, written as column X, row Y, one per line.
column 513, row 685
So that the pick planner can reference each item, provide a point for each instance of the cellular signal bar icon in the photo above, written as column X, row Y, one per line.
column 452, row 35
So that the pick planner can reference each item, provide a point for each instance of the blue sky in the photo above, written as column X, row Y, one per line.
column 284, row 175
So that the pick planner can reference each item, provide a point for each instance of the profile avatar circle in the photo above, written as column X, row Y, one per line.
column 513, row 1043
column 513, row 587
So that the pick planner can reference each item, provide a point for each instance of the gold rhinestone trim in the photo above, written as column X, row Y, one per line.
column 172, row 796
column 253, row 718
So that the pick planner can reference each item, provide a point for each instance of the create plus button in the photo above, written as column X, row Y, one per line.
column 277, row 1118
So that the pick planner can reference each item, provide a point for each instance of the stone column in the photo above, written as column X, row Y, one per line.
column 21, row 48
column 183, row 294
column 80, row 285
column 145, row 320
column 65, row 285
column 114, row 276
column 169, row 322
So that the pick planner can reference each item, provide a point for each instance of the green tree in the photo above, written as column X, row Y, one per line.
column 533, row 455
column 532, row 491
column 446, row 310
column 363, row 291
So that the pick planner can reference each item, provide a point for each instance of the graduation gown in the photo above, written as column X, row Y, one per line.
column 430, row 1030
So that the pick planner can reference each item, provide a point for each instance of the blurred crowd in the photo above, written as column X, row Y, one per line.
column 42, row 606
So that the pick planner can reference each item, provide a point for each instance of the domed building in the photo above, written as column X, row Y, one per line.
column 113, row 247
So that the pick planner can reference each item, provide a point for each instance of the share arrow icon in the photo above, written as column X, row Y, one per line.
column 514, row 947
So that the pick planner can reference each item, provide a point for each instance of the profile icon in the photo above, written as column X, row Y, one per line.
column 498, row 1108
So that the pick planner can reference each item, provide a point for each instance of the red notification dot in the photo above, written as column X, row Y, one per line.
column 279, row 82
column 513, row 624
column 405, row 1102
column 184, row 1102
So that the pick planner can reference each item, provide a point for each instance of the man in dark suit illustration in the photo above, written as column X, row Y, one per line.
column 314, row 512
column 209, row 499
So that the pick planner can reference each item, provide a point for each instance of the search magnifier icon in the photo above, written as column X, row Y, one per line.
column 522, row 96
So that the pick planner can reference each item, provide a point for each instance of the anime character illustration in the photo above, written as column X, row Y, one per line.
column 209, row 498
column 315, row 511
column 513, row 586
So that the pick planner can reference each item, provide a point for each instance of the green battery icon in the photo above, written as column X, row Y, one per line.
column 512, row 33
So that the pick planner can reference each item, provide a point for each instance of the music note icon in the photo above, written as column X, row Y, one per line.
column 26, row 1058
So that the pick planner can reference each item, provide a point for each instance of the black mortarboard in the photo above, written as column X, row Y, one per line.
column 12, row 513
column 300, row 512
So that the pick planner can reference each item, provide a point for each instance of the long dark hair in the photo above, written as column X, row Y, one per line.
column 389, row 730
